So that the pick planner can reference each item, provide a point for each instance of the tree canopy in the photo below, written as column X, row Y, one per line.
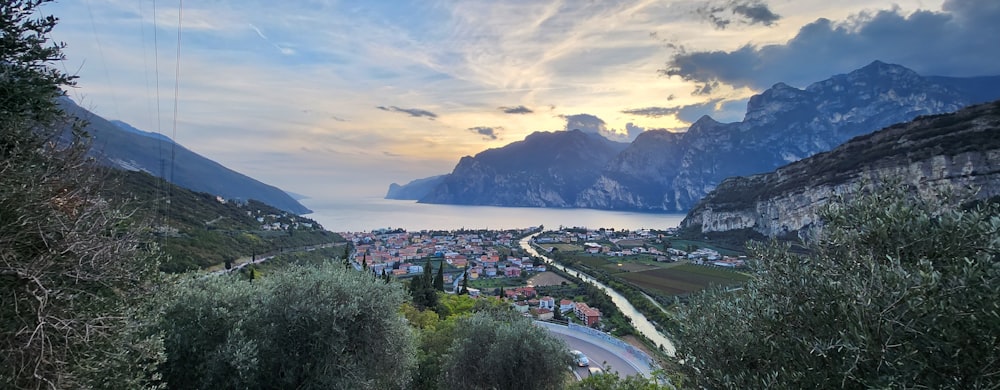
column 75, row 268
column 898, row 291
column 316, row 327
column 495, row 349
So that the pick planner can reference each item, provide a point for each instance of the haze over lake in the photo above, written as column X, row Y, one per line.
column 365, row 214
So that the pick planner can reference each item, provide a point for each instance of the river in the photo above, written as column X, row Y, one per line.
column 640, row 322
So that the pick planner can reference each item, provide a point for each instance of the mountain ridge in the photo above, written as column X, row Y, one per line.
column 118, row 144
column 782, row 124
column 957, row 150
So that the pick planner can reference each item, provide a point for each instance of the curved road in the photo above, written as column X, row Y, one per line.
column 600, row 353
column 599, row 357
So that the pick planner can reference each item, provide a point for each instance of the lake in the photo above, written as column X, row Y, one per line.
column 366, row 214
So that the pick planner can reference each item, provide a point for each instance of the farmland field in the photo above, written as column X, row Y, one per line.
column 682, row 279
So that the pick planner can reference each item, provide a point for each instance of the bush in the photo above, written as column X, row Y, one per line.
column 319, row 327
column 898, row 290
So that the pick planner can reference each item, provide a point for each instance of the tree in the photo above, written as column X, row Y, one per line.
column 302, row 327
column 439, row 278
column 75, row 267
column 465, row 283
column 898, row 290
column 500, row 349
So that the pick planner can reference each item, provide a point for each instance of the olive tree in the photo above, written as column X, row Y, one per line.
column 74, row 266
column 495, row 349
column 898, row 290
column 318, row 327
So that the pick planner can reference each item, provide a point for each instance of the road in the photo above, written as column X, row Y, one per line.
column 599, row 357
column 600, row 353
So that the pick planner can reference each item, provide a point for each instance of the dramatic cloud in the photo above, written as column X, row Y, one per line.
column 958, row 40
column 516, row 110
column 586, row 123
column 722, row 14
column 414, row 112
column 592, row 124
column 488, row 133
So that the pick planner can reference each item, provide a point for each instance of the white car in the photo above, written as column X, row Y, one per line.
column 579, row 358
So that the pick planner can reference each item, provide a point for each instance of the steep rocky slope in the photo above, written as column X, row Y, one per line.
column 783, row 124
column 544, row 170
column 949, row 150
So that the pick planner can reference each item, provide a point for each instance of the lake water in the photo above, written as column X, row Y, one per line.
column 366, row 214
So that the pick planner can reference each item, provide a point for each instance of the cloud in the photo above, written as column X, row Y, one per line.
column 652, row 112
column 586, row 123
column 281, row 48
column 414, row 112
column 721, row 109
column 516, row 110
column 594, row 125
column 722, row 14
column 955, row 41
column 488, row 133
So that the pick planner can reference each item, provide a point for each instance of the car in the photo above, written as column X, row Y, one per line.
column 595, row 371
column 579, row 358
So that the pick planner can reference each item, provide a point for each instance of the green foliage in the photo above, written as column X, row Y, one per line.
column 74, row 268
column 898, row 291
column 314, row 327
column 29, row 84
column 439, row 278
column 494, row 349
column 610, row 381
column 197, row 231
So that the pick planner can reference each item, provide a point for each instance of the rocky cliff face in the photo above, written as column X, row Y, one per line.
column 544, row 170
column 781, row 125
column 415, row 189
column 953, row 150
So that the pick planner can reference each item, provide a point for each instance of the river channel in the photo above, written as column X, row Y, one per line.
column 640, row 322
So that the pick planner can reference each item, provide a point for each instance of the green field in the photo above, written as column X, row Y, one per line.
column 682, row 279
column 566, row 247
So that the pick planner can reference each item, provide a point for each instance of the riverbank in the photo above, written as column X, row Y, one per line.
column 641, row 323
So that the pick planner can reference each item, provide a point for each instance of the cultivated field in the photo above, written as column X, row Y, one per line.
column 682, row 279
column 547, row 279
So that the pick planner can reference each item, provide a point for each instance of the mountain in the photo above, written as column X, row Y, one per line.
column 415, row 189
column 639, row 176
column 950, row 150
column 546, row 169
column 783, row 124
column 670, row 172
column 121, row 145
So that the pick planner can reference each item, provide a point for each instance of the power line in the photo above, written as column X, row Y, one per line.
column 177, row 78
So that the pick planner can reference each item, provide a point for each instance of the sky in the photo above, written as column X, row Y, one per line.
column 337, row 99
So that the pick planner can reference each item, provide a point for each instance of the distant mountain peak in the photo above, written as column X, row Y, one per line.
column 671, row 173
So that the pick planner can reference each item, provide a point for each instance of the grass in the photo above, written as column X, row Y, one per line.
column 484, row 283
column 682, row 244
column 567, row 247
column 683, row 279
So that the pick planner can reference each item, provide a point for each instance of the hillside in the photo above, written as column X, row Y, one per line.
column 956, row 150
column 197, row 229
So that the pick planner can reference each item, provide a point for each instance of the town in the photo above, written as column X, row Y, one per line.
column 496, row 266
